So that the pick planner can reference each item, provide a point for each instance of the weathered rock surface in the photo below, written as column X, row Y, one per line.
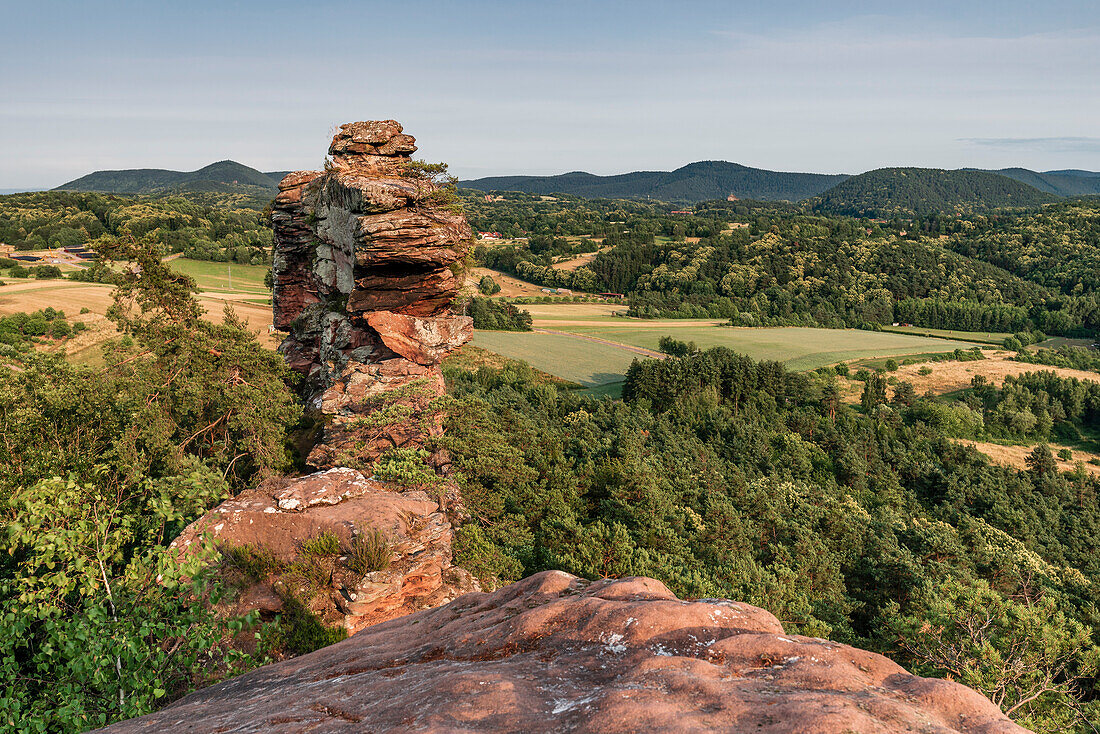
column 362, row 283
column 279, row 515
column 359, row 247
column 555, row 653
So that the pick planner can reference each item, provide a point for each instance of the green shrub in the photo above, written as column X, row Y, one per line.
column 310, row 571
column 406, row 466
column 925, row 370
column 1065, row 454
column 891, row 365
column 254, row 562
column 60, row 329
column 298, row 631
column 324, row 544
column 370, row 551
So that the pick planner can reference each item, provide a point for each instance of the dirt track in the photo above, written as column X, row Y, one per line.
column 626, row 347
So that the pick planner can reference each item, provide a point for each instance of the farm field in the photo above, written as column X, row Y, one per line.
column 249, row 298
column 1016, row 455
column 800, row 348
column 984, row 337
column 949, row 377
column 591, row 364
column 212, row 276
column 585, row 344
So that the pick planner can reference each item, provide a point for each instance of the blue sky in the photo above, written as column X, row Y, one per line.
column 495, row 87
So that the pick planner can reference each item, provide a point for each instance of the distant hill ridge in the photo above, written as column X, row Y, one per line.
column 223, row 176
column 694, row 182
column 887, row 191
column 1059, row 183
column 882, row 191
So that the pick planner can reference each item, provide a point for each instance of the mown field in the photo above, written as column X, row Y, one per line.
column 589, row 363
column 797, row 347
column 248, row 297
column 985, row 337
column 224, row 277
column 570, row 352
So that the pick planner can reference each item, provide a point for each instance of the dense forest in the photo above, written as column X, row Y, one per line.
column 200, row 231
column 221, row 178
column 888, row 191
column 691, row 183
column 729, row 478
column 759, row 264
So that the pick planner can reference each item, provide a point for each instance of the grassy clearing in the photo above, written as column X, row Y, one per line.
column 797, row 347
column 588, row 363
column 982, row 337
column 212, row 276
column 600, row 365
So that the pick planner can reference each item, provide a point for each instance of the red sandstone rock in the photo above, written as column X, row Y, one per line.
column 365, row 235
column 553, row 653
column 424, row 341
column 359, row 393
column 280, row 515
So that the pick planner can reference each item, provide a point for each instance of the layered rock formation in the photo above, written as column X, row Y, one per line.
column 364, row 252
column 364, row 272
column 555, row 653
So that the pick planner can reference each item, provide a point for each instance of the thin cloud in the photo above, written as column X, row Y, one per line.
column 1065, row 144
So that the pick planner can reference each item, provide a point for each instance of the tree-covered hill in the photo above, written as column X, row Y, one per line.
column 691, row 183
column 1059, row 183
column 889, row 191
column 49, row 219
column 220, row 177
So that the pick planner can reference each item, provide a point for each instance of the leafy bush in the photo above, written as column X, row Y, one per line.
column 487, row 286
column 298, row 631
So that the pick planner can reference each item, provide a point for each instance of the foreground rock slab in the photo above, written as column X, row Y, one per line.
column 556, row 653
column 279, row 515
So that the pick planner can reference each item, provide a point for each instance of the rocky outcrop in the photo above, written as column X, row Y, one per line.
column 363, row 279
column 555, row 653
column 364, row 272
column 280, row 517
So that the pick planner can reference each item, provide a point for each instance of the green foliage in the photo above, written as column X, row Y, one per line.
column 675, row 347
column 1072, row 357
column 487, row 286
column 298, row 630
column 311, row 571
column 490, row 314
column 253, row 562
column 724, row 477
column 97, row 621
column 100, row 470
column 324, row 544
column 405, row 465
column 50, row 219
column 370, row 551
column 1026, row 656
column 889, row 191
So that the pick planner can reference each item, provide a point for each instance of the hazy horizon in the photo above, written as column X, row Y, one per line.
column 504, row 88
